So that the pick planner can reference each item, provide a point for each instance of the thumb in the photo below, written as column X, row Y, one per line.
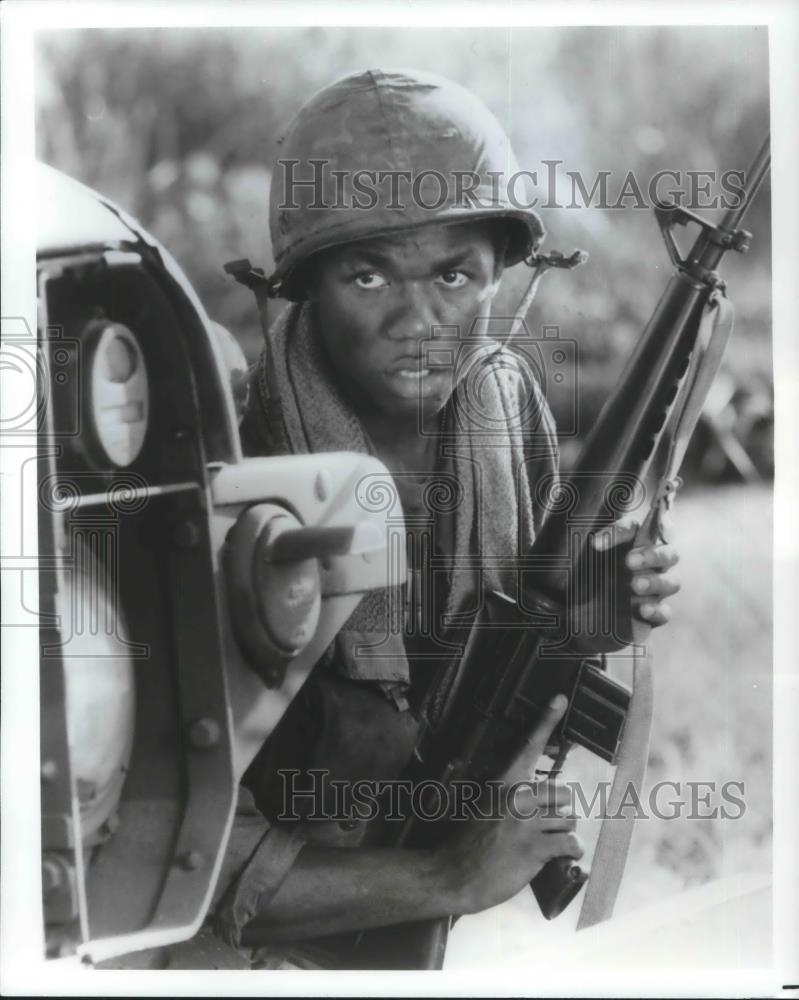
column 538, row 739
column 666, row 526
column 619, row 533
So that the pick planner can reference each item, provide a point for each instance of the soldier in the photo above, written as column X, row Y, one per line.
column 392, row 219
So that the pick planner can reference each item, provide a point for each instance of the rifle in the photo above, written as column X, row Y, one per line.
column 490, row 713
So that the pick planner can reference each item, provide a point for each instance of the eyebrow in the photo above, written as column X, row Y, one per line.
column 378, row 257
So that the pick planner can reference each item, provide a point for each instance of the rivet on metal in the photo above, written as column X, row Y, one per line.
column 190, row 861
column 49, row 770
column 204, row 734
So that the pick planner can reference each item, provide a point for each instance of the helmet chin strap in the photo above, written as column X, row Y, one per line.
column 541, row 263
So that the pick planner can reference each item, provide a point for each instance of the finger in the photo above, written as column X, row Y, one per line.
column 652, row 557
column 523, row 803
column 655, row 584
column 558, row 824
column 545, row 794
column 552, row 794
column 536, row 744
column 621, row 531
column 543, row 798
column 654, row 614
column 563, row 845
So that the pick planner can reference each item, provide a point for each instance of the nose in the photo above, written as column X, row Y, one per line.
column 414, row 314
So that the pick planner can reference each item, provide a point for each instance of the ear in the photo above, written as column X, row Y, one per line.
column 305, row 278
column 499, row 270
column 500, row 248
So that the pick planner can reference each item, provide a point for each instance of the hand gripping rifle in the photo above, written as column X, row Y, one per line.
column 518, row 655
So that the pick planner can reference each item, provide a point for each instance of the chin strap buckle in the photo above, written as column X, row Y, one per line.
column 253, row 278
column 543, row 261
column 540, row 263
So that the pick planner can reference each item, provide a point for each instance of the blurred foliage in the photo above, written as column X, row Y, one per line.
column 180, row 128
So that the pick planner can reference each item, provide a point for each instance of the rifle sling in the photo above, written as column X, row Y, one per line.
column 616, row 832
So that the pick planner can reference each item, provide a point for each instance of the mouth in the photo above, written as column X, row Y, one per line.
column 411, row 374
column 405, row 363
column 409, row 380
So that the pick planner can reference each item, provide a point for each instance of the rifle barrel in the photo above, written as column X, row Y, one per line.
column 623, row 440
column 752, row 180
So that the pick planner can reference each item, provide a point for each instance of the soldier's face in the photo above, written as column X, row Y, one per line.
column 379, row 300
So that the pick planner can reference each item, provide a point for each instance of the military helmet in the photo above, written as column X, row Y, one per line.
column 379, row 152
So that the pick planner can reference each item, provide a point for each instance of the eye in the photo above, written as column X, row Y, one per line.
column 453, row 279
column 370, row 280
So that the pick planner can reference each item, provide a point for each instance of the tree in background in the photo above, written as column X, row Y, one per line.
column 180, row 126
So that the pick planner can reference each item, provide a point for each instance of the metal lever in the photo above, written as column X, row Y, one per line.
column 297, row 544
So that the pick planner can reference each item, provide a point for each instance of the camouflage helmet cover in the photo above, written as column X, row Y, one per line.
column 426, row 149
